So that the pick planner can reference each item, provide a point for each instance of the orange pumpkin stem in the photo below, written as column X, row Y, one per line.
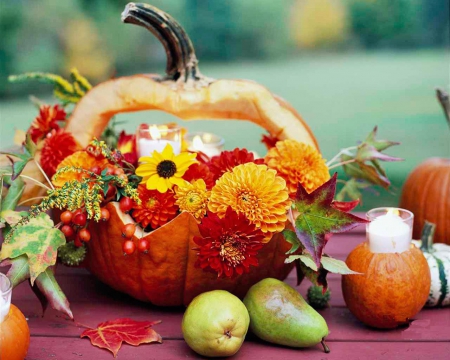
column 181, row 59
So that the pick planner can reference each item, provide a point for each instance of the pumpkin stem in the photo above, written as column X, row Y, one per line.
column 427, row 236
column 444, row 100
column 181, row 59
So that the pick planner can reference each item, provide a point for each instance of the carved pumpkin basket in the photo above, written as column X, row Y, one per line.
column 167, row 275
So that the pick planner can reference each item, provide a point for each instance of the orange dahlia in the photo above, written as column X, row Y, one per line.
column 46, row 121
column 80, row 159
column 57, row 146
column 298, row 163
column 156, row 208
column 255, row 191
column 200, row 171
column 193, row 198
column 227, row 160
column 228, row 245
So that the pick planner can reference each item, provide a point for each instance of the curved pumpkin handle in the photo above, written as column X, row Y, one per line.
column 183, row 92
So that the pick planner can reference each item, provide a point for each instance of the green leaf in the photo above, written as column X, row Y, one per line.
column 29, row 146
column 15, row 192
column 49, row 287
column 306, row 259
column 379, row 145
column 38, row 240
column 318, row 217
column 10, row 217
column 291, row 238
column 318, row 277
column 336, row 266
column 19, row 165
column 19, row 270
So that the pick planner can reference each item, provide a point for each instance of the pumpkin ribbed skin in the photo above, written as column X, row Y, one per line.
column 14, row 336
column 427, row 194
column 393, row 287
column 166, row 275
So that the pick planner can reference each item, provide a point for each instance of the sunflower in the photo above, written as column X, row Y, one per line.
column 229, row 245
column 156, row 208
column 79, row 159
column 162, row 171
column 296, row 163
column 193, row 198
column 255, row 191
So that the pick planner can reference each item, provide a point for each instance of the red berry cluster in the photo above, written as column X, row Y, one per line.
column 129, row 247
column 74, row 224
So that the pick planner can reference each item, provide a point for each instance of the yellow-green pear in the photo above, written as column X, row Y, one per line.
column 280, row 315
column 215, row 324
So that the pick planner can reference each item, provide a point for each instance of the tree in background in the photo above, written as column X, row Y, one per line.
column 319, row 23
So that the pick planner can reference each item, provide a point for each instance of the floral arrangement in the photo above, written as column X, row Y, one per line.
column 238, row 201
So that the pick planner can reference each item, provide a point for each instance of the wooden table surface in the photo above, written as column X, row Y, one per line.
column 54, row 337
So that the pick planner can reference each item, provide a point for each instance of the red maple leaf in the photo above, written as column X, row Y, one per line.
column 318, row 215
column 110, row 334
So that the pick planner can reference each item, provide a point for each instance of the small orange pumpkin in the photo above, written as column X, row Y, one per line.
column 426, row 193
column 166, row 275
column 392, row 289
column 14, row 335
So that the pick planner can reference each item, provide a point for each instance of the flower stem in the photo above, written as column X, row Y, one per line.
column 43, row 173
column 31, row 199
column 341, row 163
column 31, row 179
column 335, row 157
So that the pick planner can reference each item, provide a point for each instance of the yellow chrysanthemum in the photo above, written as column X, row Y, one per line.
column 193, row 198
column 255, row 191
column 298, row 163
column 162, row 171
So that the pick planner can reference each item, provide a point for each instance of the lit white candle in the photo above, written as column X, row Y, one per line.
column 209, row 144
column 156, row 142
column 5, row 296
column 389, row 233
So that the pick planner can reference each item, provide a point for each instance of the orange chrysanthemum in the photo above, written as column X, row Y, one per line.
column 80, row 159
column 46, row 121
column 57, row 146
column 200, row 171
column 298, row 163
column 227, row 160
column 255, row 191
column 156, row 208
column 193, row 198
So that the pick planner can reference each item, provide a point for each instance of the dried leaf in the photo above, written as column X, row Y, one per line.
column 317, row 217
column 38, row 240
column 110, row 334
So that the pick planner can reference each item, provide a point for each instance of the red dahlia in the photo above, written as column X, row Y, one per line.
column 156, row 208
column 270, row 140
column 57, row 146
column 46, row 121
column 228, row 160
column 126, row 144
column 200, row 171
column 229, row 245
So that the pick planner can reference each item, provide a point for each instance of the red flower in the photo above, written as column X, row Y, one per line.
column 200, row 171
column 126, row 144
column 46, row 121
column 57, row 146
column 229, row 245
column 270, row 140
column 227, row 160
column 156, row 208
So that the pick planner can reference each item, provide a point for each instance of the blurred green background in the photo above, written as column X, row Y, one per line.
column 345, row 65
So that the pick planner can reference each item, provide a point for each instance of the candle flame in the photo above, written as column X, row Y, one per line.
column 197, row 143
column 154, row 132
column 393, row 211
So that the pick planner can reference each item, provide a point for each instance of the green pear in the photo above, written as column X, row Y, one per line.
column 280, row 315
column 215, row 324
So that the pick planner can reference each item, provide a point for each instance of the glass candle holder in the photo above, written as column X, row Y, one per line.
column 389, row 230
column 207, row 143
column 5, row 296
column 151, row 138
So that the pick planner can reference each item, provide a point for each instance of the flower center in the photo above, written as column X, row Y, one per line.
column 166, row 169
column 231, row 250
column 151, row 203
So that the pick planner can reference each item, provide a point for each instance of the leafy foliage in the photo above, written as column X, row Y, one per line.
column 316, row 217
column 38, row 240
column 29, row 150
column 110, row 334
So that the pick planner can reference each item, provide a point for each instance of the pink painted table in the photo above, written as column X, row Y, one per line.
column 53, row 337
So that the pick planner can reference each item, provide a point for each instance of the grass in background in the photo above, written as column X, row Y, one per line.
column 341, row 96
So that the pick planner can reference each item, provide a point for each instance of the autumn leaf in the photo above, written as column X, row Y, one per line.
column 110, row 334
column 38, row 240
column 19, row 270
column 318, row 217
column 29, row 150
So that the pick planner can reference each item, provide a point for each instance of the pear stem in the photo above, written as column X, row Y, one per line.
column 326, row 349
